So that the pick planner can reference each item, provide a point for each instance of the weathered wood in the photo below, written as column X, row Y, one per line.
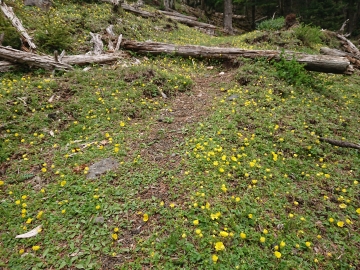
column 9, row 13
column 66, row 60
column 110, row 30
column 142, row 13
column 341, row 143
column 31, row 59
column 342, row 29
column 192, row 23
column 62, row 54
column 6, row 66
column 239, row 17
column 118, row 43
column 177, row 14
column 98, row 44
column 320, row 63
column 354, row 59
column 90, row 59
column 348, row 45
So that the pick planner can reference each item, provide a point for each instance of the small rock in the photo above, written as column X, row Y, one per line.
column 102, row 167
column 99, row 220
column 221, row 73
column 232, row 97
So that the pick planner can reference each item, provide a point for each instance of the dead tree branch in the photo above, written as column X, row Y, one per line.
column 9, row 13
column 340, row 143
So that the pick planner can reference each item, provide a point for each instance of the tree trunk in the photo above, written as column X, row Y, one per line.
column 228, row 16
column 320, row 63
column 172, row 4
column 253, row 14
column 166, row 4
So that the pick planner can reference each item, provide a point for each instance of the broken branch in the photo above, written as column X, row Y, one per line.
column 340, row 143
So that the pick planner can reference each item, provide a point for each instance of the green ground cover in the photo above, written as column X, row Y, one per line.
column 246, row 184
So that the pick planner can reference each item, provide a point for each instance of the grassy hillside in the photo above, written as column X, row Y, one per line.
column 226, row 172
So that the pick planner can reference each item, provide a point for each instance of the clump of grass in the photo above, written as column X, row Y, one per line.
column 309, row 35
column 293, row 72
column 271, row 25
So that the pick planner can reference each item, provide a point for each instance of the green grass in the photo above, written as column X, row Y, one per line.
column 251, row 178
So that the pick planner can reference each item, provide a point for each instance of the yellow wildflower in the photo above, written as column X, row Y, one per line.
column 277, row 254
column 340, row 224
column 219, row 246
column 35, row 248
column 224, row 234
column 214, row 258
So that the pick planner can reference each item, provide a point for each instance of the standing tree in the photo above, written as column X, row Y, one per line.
column 228, row 14
column 169, row 4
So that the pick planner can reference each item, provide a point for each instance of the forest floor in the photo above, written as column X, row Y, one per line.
column 214, row 165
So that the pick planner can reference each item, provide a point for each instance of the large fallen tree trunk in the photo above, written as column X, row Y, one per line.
column 31, row 59
column 47, row 62
column 354, row 59
column 9, row 13
column 320, row 63
column 6, row 66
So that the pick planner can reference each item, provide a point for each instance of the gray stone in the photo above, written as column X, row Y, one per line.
column 232, row 97
column 44, row 4
column 99, row 220
column 102, row 167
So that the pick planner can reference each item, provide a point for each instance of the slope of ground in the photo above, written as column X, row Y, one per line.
column 226, row 172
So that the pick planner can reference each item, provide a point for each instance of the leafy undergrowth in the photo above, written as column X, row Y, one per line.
column 248, row 186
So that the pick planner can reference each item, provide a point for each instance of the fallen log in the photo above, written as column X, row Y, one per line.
column 320, row 63
column 142, row 13
column 348, row 45
column 354, row 59
column 177, row 14
column 234, row 16
column 340, row 143
column 31, row 59
column 66, row 60
column 6, row 66
column 91, row 59
column 187, row 20
column 9, row 13
column 192, row 23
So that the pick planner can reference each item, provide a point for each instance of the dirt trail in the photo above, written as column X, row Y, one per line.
column 171, row 124
column 167, row 132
